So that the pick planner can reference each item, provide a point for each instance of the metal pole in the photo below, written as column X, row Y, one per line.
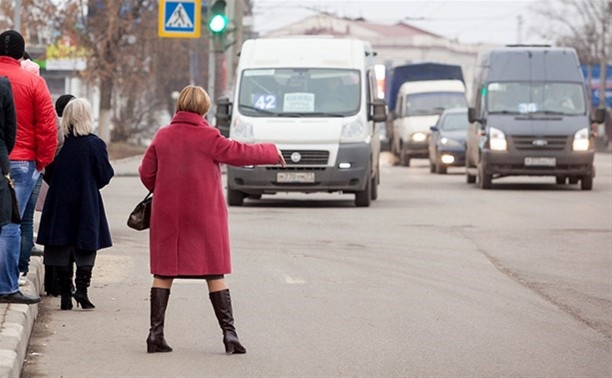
column 211, row 77
column 192, row 58
column 17, row 16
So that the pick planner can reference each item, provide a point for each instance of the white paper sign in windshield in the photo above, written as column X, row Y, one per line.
column 299, row 102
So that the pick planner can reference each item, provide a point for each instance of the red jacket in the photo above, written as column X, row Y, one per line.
column 189, row 232
column 36, row 122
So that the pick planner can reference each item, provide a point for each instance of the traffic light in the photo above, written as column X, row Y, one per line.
column 217, row 20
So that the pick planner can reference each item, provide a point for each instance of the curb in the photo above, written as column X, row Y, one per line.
column 16, row 323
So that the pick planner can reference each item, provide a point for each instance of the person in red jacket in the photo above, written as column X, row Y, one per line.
column 33, row 151
column 189, row 232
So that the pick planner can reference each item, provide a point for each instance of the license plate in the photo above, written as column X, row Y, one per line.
column 540, row 162
column 295, row 177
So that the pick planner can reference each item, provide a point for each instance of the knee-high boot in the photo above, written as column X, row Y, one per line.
column 159, row 302
column 222, row 303
column 82, row 281
column 64, row 274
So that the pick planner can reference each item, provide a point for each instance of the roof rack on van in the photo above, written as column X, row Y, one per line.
column 519, row 45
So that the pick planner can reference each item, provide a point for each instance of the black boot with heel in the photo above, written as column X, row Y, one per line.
column 64, row 280
column 156, row 343
column 82, row 281
column 222, row 303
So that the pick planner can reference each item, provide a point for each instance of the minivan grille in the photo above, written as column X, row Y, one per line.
column 307, row 157
column 539, row 143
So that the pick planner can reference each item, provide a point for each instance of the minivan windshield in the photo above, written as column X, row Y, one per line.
column 536, row 98
column 297, row 92
column 454, row 122
column 433, row 102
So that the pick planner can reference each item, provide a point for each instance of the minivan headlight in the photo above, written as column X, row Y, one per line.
column 419, row 137
column 497, row 140
column 242, row 130
column 581, row 140
column 352, row 132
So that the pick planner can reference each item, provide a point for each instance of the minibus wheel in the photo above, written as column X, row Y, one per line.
column 363, row 198
column 561, row 180
column 586, row 182
column 234, row 197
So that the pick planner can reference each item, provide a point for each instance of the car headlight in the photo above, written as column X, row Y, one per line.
column 497, row 140
column 581, row 140
column 449, row 142
column 242, row 130
column 353, row 132
column 419, row 137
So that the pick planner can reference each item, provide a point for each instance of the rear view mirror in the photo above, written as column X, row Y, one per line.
column 434, row 129
column 379, row 110
column 224, row 115
column 599, row 116
column 472, row 115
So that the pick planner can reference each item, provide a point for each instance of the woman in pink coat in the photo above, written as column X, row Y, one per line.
column 189, row 232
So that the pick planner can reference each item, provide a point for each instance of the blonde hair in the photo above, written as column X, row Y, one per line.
column 193, row 99
column 77, row 118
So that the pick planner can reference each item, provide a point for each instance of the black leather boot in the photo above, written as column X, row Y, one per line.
column 222, row 303
column 82, row 281
column 159, row 302
column 64, row 274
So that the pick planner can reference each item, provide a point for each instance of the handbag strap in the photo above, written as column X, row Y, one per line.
column 148, row 196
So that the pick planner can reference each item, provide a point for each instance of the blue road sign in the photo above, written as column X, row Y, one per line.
column 179, row 19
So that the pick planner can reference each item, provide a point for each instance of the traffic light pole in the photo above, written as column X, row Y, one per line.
column 211, row 77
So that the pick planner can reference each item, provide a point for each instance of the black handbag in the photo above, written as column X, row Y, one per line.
column 140, row 218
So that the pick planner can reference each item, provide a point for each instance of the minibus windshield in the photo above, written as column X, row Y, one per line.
column 304, row 92
column 535, row 98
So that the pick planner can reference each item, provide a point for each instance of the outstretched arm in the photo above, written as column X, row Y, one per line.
column 231, row 152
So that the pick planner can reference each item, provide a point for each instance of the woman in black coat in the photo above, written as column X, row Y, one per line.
column 73, row 225
column 8, row 130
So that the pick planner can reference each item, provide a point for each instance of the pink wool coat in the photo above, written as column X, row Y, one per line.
column 189, row 232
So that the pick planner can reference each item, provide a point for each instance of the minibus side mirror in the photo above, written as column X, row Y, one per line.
column 224, row 115
column 599, row 116
column 472, row 117
column 378, row 110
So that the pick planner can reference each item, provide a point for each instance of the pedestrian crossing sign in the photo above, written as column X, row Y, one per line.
column 179, row 18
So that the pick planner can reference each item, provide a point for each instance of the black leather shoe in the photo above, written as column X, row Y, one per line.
column 18, row 297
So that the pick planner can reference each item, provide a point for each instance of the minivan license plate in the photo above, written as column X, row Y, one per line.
column 540, row 161
column 295, row 177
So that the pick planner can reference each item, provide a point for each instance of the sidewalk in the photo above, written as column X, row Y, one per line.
column 16, row 322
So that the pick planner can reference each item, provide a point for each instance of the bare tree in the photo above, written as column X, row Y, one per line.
column 587, row 30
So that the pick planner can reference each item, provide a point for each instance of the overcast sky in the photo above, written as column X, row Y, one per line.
column 487, row 21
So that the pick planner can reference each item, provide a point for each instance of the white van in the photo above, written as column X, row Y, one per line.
column 315, row 98
column 418, row 107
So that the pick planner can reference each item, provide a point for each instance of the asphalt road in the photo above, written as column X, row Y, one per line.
column 437, row 278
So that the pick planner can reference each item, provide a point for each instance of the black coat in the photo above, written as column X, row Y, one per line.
column 8, row 130
column 73, row 213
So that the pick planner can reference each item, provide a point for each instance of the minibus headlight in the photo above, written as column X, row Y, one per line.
column 497, row 140
column 581, row 140
column 242, row 130
column 352, row 132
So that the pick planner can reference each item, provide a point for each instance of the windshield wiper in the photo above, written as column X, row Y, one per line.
column 553, row 112
column 507, row 112
column 323, row 114
column 268, row 112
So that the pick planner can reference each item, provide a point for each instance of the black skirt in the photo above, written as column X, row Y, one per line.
column 63, row 255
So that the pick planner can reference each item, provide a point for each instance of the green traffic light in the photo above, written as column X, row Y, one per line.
column 218, row 23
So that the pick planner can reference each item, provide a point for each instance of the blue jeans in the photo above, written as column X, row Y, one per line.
column 24, row 175
column 27, row 229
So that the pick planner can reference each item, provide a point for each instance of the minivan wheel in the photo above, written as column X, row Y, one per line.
column 586, row 182
column 561, row 180
column 363, row 198
column 404, row 159
column 470, row 179
column 485, row 179
column 374, row 191
column 441, row 169
column 432, row 167
column 234, row 197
